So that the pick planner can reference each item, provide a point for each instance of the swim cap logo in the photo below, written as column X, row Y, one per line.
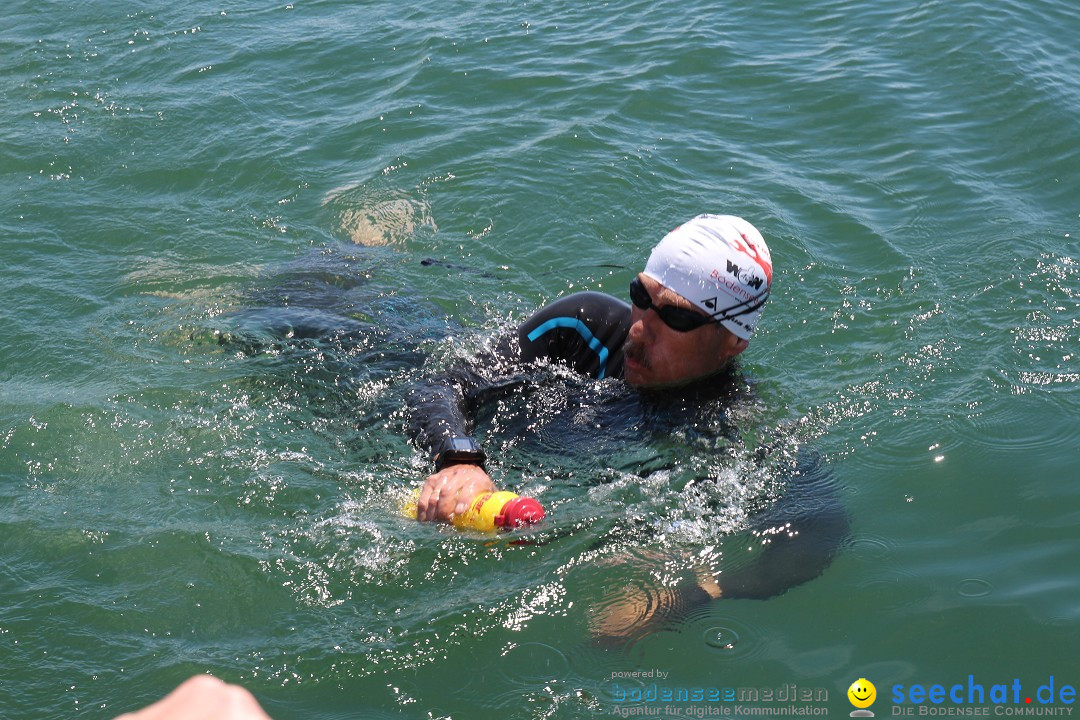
column 862, row 694
column 763, row 260
column 746, row 277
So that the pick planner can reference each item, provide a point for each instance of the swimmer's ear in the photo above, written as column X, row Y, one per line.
column 736, row 345
column 731, row 344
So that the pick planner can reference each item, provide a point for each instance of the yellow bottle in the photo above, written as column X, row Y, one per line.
column 492, row 511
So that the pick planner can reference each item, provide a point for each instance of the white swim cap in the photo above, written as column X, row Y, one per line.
column 721, row 264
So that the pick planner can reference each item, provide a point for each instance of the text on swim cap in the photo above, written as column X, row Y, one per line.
column 746, row 277
column 734, row 287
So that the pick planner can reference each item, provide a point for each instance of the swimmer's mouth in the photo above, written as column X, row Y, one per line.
column 635, row 355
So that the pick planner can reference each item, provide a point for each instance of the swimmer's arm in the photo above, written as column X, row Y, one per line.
column 804, row 531
column 585, row 331
column 444, row 406
column 441, row 414
column 795, row 540
column 437, row 411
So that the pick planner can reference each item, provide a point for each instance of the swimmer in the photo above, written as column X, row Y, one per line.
column 693, row 309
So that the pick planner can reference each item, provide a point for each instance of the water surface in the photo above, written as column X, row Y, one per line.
column 176, row 176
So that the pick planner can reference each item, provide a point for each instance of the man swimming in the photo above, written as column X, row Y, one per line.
column 695, row 307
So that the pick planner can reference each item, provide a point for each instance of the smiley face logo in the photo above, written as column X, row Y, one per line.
column 862, row 693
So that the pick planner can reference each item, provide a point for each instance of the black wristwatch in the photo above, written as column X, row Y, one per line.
column 459, row 450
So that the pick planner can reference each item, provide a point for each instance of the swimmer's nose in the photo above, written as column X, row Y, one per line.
column 644, row 324
column 637, row 329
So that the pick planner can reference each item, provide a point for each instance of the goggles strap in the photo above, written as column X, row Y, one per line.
column 738, row 308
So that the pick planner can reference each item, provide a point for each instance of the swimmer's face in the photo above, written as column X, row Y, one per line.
column 862, row 693
column 658, row 356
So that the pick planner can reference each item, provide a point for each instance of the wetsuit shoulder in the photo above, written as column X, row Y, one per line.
column 585, row 330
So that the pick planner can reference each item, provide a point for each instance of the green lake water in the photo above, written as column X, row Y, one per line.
column 184, row 491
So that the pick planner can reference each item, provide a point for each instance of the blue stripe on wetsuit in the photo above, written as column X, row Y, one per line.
column 583, row 330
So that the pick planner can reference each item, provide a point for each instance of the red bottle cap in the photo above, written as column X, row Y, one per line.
column 519, row 511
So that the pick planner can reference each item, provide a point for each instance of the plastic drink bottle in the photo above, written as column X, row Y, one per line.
column 491, row 511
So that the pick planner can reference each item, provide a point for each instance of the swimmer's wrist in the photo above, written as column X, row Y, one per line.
column 459, row 450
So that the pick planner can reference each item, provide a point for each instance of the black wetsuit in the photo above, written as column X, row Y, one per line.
column 587, row 332
column 644, row 432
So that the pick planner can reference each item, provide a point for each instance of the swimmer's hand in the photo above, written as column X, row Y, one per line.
column 448, row 492
column 638, row 611
column 638, row 607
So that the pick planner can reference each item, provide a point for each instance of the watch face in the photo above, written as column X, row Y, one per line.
column 463, row 445
column 460, row 450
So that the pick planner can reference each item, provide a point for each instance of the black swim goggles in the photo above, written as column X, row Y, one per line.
column 685, row 319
